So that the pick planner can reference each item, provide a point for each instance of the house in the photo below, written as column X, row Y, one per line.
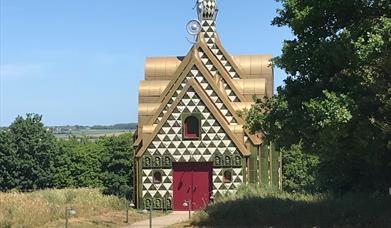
column 191, row 145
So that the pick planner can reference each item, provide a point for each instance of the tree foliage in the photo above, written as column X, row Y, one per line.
column 337, row 98
column 300, row 171
column 32, row 158
column 27, row 154
column 79, row 163
column 117, row 165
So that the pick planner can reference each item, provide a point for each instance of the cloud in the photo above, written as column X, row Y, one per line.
column 20, row 70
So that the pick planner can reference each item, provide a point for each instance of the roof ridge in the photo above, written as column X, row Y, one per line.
column 228, row 57
column 227, row 103
column 179, row 71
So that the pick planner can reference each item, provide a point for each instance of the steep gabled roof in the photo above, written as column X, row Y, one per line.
column 167, row 93
column 220, row 51
column 224, row 73
column 214, row 112
column 254, row 139
column 192, row 60
column 183, row 67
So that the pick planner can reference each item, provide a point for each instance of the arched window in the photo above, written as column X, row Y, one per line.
column 157, row 177
column 191, row 128
column 227, row 176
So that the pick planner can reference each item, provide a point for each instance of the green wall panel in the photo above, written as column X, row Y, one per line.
column 253, row 165
column 275, row 166
column 264, row 165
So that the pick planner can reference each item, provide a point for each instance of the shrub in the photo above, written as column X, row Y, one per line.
column 264, row 208
column 299, row 171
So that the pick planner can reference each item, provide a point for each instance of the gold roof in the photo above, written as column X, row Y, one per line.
column 242, row 76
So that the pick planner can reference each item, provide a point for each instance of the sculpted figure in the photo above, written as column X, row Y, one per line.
column 206, row 9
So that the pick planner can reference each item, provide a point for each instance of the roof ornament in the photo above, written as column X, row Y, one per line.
column 193, row 27
column 206, row 10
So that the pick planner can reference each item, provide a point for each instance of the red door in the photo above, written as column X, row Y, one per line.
column 191, row 183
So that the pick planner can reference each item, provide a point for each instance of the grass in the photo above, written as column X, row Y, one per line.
column 253, row 207
column 46, row 208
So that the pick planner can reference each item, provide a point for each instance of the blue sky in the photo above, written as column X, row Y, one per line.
column 79, row 61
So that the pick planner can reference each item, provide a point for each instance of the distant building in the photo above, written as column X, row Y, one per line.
column 191, row 145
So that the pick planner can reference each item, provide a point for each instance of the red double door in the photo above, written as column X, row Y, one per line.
column 192, row 183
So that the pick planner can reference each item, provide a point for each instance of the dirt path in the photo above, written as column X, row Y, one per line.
column 163, row 221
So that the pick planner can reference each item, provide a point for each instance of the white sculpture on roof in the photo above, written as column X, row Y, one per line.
column 206, row 9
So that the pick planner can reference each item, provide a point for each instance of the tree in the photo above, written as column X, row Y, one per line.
column 27, row 152
column 79, row 163
column 117, row 165
column 299, row 171
column 337, row 98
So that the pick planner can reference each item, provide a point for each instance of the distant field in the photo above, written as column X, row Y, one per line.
column 94, row 133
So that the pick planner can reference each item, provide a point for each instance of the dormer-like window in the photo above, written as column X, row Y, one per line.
column 191, row 127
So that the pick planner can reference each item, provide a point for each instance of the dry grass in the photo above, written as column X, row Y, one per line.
column 47, row 209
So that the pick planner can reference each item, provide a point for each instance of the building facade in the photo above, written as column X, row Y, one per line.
column 191, row 145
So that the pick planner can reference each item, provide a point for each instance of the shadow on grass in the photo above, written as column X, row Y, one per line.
column 349, row 211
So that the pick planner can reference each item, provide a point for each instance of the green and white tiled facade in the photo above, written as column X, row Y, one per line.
column 195, row 73
column 168, row 146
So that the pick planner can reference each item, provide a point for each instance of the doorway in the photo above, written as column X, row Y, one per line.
column 192, row 183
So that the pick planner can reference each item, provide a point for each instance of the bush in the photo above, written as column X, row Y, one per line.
column 253, row 205
column 299, row 171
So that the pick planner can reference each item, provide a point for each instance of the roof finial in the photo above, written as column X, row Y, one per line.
column 206, row 9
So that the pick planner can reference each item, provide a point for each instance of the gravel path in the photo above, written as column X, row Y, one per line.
column 163, row 221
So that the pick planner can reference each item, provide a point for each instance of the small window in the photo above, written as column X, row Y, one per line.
column 157, row 177
column 191, row 128
column 227, row 176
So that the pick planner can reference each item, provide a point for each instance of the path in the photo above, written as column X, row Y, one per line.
column 163, row 221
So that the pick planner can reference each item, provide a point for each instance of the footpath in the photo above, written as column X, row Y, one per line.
column 162, row 221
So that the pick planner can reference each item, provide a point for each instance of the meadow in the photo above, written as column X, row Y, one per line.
column 255, row 207
column 46, row 208
column 92, row 133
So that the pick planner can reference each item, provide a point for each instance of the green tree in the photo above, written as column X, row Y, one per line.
column 117, row 165
column 27, row 152
column 78, row 163
column 299, row 171
column 337, row 98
